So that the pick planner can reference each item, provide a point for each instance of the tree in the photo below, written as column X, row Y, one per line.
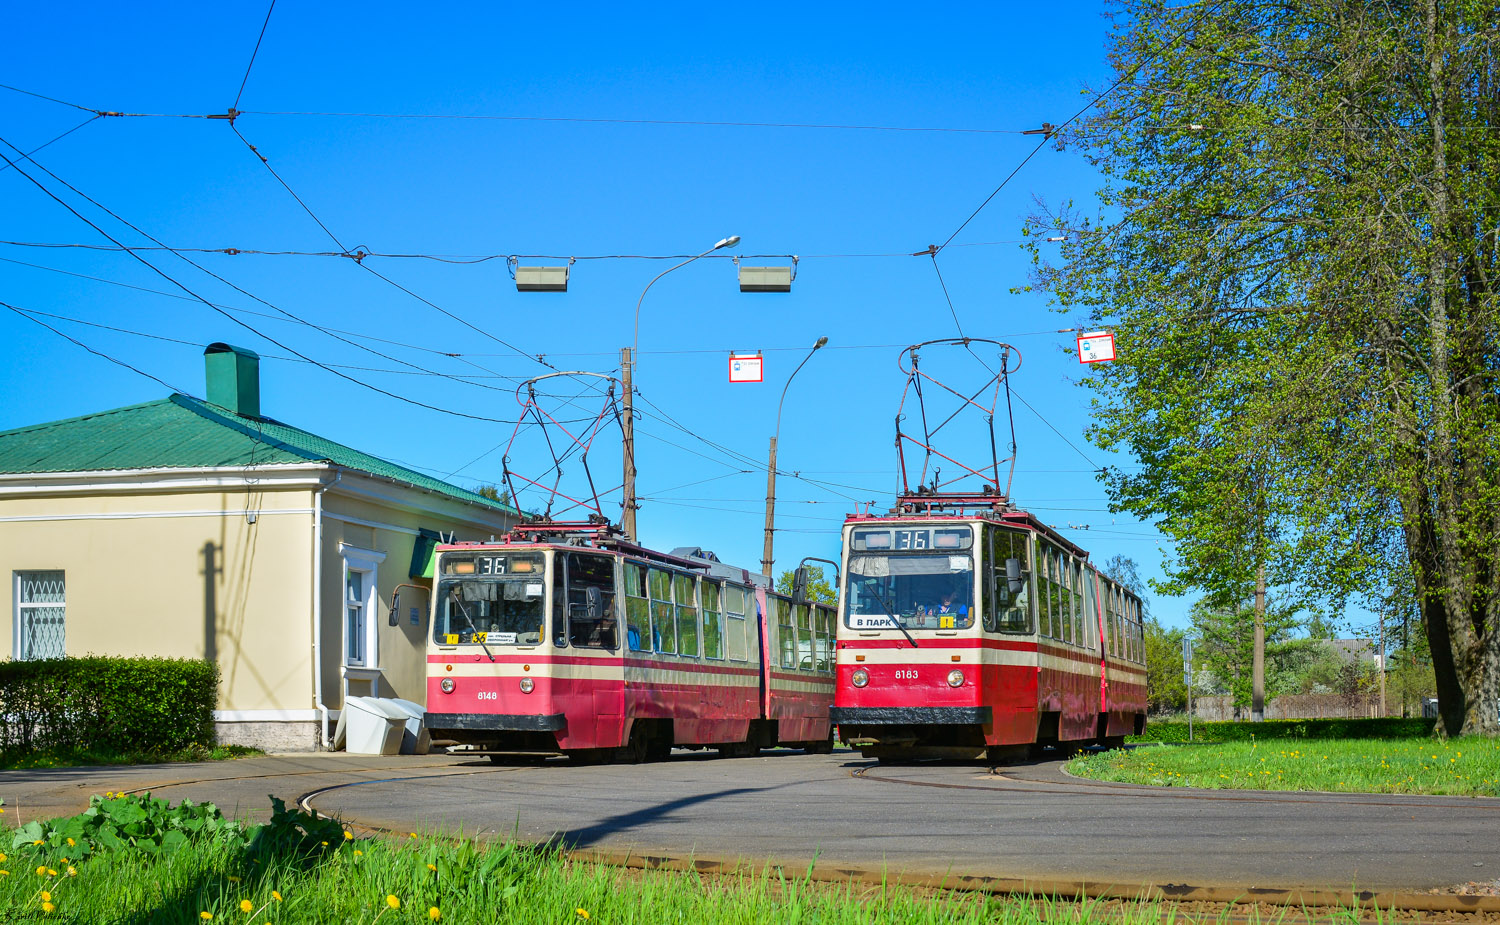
column 1224, row 647
column 1165, row 692
column 818, row 588
column 1296, row 249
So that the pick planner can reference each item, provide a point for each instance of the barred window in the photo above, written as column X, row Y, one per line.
column 40, row 610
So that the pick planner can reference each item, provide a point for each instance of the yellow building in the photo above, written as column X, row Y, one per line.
column 201, row 529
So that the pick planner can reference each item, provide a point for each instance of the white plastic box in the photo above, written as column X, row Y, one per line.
column 374, row 726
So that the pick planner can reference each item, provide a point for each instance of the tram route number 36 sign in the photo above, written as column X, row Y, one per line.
column 745, row 367
column 1096, row 347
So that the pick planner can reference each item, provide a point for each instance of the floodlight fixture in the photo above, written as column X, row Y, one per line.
column 541, row 279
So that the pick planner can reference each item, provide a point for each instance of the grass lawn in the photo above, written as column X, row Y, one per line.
column 1464, row 767
column 301, row 870
column 74, row 757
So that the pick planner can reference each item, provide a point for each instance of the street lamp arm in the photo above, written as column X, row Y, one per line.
column 635, row 343
column 816, row 347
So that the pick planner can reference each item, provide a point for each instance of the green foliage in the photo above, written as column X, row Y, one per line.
column 106, row 704
column 469, row 881
column 1468, row 766
column 818, row 588
column 1165, row 692
column 123, row 822
column 294, row 834
column 1295, row 248
column 1224, row 649
column 1276, row 729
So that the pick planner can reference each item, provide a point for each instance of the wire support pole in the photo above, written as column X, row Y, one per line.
column 627, row 379
column 767, row 554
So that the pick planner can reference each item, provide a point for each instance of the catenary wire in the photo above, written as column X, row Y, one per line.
column 70, row 131
column 98, row 353
column 206, row 302
column 260, row 38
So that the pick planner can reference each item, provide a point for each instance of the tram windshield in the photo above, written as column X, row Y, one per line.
column 490, row 600
column 919, row 578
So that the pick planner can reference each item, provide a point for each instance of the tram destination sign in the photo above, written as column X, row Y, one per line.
column 909, row 539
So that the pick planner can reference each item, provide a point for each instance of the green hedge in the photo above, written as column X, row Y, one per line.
column 1384, row 728
column 107, row 704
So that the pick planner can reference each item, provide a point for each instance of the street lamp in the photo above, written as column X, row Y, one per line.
column 766, row 558
column 627, row 355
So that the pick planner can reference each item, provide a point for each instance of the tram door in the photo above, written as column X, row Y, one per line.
column 1010, row 677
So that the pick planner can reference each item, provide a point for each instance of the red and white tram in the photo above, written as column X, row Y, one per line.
column 564, row 638
column 972, row 630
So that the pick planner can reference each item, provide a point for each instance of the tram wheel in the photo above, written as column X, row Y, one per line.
column 636, row 751
column 737, row 750
column 820, row 747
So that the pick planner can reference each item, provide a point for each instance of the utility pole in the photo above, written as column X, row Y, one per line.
column 627, row 360
column 627, row 428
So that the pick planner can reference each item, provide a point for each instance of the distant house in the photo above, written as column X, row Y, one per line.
column 183, row 527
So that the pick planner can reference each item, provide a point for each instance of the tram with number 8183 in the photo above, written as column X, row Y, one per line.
column 968, row 628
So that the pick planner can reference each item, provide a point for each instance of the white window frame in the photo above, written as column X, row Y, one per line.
column 19, row 608
column 366, row 563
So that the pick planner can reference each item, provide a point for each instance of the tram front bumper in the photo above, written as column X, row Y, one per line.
column 910, row 716
column 495, row 722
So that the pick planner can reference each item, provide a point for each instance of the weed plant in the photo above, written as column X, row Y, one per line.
column 302, row 869
column 1467, row 766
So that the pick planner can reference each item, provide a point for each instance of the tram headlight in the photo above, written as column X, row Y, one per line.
column 860, row 677
column 447, row 685
column 955, row 678
column 527, row 685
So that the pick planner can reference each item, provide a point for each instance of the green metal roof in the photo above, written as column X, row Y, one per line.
column 183, row 432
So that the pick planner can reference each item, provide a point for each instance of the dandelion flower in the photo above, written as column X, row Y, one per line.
column 2, row 857
column 46, row 897
column 582, row 914
column 41, row 871
column 206, row 916
column 348, row 835
column 358, row 853
column 393, row 901
column 432, row 867
column 72, row 843
column 4, row 873
column 276, row 896
column 412, row 834
column 51, row 872
column 48, row 907
column 246, row 905
column 37, row 842
column 72, row 871
column 434, row 914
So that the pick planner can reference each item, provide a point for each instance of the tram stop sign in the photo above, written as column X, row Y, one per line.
column 745, row 367
column 1096, row 347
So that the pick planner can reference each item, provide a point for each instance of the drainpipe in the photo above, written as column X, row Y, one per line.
column 317, row 605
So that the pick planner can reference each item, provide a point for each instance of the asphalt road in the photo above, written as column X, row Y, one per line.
column 1028, row 821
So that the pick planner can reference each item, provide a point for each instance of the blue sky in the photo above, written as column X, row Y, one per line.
column 535, row 186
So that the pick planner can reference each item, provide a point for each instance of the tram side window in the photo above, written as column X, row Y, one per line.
column 805, row 655
column 1057, row 598
column 685, row 587
column 713, row 626
column 663, row 620
column 637, row 609
column 786, row 633
column 823, row 619
column 734, row 620
column 591, row 600
column 1137, row 631
column 1006, row 612
column 1086, row 615
column 1043, row 612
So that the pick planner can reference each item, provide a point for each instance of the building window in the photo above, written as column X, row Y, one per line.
column 361, row 648
column 40, row 608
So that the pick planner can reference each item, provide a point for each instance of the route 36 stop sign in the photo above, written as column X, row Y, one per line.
column 1096, row 347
